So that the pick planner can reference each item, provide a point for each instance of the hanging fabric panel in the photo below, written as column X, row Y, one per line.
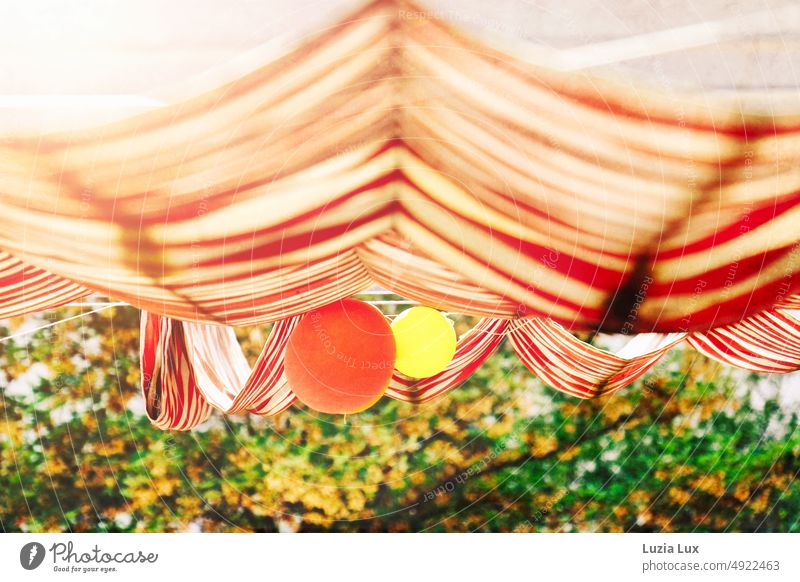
column 578, row 368
column 767, row 342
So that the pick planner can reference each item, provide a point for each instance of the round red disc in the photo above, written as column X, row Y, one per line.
column 340, row 358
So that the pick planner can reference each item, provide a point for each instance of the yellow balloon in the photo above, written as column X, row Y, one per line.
column 425, row 340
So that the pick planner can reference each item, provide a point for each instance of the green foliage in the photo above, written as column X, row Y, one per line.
column 682, row 450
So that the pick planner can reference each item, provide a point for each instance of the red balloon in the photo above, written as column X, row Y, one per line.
column 340, row 358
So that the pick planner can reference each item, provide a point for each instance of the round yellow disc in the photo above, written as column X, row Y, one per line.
column 425, row 340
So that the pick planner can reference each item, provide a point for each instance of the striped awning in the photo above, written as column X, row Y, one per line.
column 405, row 153
column 189, row 369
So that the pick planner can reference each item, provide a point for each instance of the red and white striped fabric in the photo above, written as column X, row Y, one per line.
column 171, row 395
column 395, row 264
column 792, row 302
column 599, row 204
column 577, row 368
column 766, row 342
column 472, row 350
column 25, row 289
column 188, row 369
column 224, row 377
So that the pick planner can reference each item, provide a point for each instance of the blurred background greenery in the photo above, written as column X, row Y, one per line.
column 693, row 446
